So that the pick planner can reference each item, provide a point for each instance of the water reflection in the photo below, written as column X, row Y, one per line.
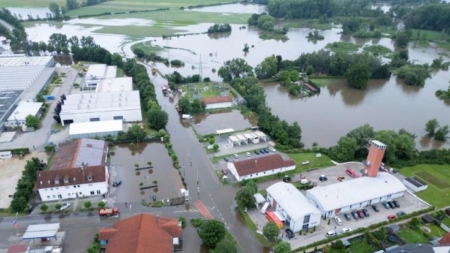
column 233, row 8
column 216, row 36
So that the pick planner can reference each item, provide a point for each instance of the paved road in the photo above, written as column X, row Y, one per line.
column 218, row 199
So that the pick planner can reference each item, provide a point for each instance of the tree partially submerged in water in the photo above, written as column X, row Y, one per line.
column 219, row 28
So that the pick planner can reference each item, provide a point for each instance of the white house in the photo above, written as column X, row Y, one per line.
column 98, row 72
column 260, row 166
column 23, row 109
column 78, row 170
column 218, row 102
column 356, row 193
column 293, row 206
column 103, row 106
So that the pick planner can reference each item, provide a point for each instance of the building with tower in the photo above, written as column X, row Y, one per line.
column 373, row 187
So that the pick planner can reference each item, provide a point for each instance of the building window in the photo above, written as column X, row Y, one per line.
column 98, row 192
column 81, row 193
column 118, row 117
column 57, row 188
column 66, row 180
column 94, row 119
column 90, row 184
column 306, row 219
column 56, row 181
column 48, row 196
column 74, row 186
column 53, row 196
column 68, row 194
column 67, row 187
column 78, row 186
column 92, row 192
column 51, row 189
column 89, row 178
column 59, row 196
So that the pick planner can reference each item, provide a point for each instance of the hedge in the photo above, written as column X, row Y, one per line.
column 361, row 230
column 17, row 151
column 49, row 148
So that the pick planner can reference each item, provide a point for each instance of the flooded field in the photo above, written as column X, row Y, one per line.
column 209, row 124
column 124, row 161
column 233, row 8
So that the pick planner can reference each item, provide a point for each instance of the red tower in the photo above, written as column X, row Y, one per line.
column 374, row 158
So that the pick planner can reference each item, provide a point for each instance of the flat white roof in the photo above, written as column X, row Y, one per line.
column 249, row 136
column 293, row 202
column 111, row 72
column 21, row 60
column 378, row 143
column 100, row 102
column 96, row 127
column 119, row 84
column 96, row 71
column 41, row 231
column 24, row 109
column 19, row 77
column 224, row 131
column 260, row 134
column 355, row 191
column 234, row 138
column 241, row 137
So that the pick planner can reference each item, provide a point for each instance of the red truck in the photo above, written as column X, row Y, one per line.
column 106, row 212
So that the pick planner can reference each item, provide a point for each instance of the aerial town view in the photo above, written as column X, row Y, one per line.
column 220, row 126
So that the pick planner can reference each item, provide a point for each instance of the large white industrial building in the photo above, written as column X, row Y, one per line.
column 19, row 115
column 293, row 206
column 119, row 84
column 90, row 107
column 95, row 129
column 355, row 194
column 98, row 72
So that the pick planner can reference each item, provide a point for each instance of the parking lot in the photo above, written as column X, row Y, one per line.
column 408, row 204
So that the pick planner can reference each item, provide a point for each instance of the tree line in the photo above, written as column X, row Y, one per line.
column 18, row 36
column 430, row 17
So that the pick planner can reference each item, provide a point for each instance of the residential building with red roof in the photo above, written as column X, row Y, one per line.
column 217, row 102
column 78, row 169
column 142, row 233
column 260, row 166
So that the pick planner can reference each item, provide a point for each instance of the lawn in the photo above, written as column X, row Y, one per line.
column 119, row 72
column 361, row 247
column 429, row 35
column 146, row 47
column 327, row 81
column 433, row 195
column 306, row 23
column 205, row 90
column 29, row 3
column 436, row 231
column 344, row 47
column 412, row 236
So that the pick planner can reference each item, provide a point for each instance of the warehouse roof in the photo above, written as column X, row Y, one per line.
column 41, row 231
column 8, row 99
column 24, row 109
column 293, row 202
column 19, row 77
column 261, row 164
column 22, row 60
column 96, row 127
column 355, row 191
column 119, row 84
column 101, row 71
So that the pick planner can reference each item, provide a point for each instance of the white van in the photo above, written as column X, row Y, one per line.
column 331, row 233
column 338, row 220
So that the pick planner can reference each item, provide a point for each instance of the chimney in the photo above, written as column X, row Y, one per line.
column 374, row 158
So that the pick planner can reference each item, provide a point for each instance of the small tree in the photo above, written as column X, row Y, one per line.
column 216, row 147
column 87, row 204
column 32, row 121
column 141, row 184
column 183, row 221
column 101, row 204
column 271, row 230
column 211, row 141
column 58, row 206
column 431, row 126
column 212, row 232
column 44, row 207
column 149, row 163
column 282, row 247
column 131, row 146
column 155, row 181
column 136, row 165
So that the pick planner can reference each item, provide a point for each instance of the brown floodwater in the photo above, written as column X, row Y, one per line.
column 124, row 161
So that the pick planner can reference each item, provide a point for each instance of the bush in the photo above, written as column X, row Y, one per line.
column 183, row 221
column 197, row 222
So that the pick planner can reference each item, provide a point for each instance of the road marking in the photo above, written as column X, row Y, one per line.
column 202, row 208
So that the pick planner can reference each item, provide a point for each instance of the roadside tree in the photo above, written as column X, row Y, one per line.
column 212, row 232
column 58, row 207
column 157, row 119
column 271, row 231
column 101, row 204
column 184, row 104
column 224, row 246
column 87, row 204
column 32, row 121
column 216, row 147
column 431, row 127
column 282, row 247
column 44, row 207
column 245, row 196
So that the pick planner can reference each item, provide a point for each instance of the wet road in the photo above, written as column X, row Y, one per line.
column 198, row 169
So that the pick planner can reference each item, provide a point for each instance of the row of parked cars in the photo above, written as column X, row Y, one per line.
column 360, row 214
column 257, row 152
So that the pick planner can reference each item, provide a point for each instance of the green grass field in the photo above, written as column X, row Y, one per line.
column 433, row 195
column 344, row 47
column 306, row 23
column 147, row 47
column 327, row 81
column 412, row 236
column 361, row 247
column 206, row 90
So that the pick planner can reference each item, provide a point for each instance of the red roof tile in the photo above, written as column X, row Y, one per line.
column 216, row 100
column 445, row 239
column 261, row 164
column 70, row 176
column 142, row 233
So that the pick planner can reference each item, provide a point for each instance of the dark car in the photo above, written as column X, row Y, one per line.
column 365, row 212
column 391, row 205
column 396, row 204
column 117, row 183
column 266, row 151
column 262, row 151
column 347, row 216
column 154, row 198
column 375, row 208
column 386, row 205
column 355, row 215
column 401, row 213
column 286, row 178
column 360, row 214
column 289, row 233
column 323, row 178
column 225, row 159
column 257, row 152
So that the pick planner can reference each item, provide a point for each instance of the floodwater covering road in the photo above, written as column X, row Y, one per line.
column 216, row 197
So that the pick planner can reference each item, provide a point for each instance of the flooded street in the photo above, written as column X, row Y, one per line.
column 124, row 161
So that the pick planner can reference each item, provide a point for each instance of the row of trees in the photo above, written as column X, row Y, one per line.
column 196, row 106
column 24, row 189
column 219, row 28
column 18, row 36
column 430, row 17
column 434, row 129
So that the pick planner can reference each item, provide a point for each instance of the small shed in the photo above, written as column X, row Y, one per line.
column 415, row 184
column 427, row 218
column 242, row 139
column 261, row 135
column 250, row 138
column 233, row 140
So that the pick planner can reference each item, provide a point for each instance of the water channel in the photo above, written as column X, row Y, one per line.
column 385, row 104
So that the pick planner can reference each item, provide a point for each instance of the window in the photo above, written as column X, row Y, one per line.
column 78, row 186
column 74, row 186
column 118, row 117
column 51, row 189
column 67, row 187
column 68, row 194
column 56, row 181
column 92, row 192
column 90, row 184
column 94, row 119
column 306, row 219
column 81, row 193
column 48, row 196
column 57, row 188
column 98, row 192
column 59, row 196
column 89, row 178
column 53, row 196
column 66, row 180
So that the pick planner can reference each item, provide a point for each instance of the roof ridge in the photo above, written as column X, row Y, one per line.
column 72, row 165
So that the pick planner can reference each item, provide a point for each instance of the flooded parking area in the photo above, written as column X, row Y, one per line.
column 209, row 124
column 123, row 168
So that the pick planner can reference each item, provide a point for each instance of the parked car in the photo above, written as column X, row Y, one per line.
column 386, row 205
column 391, row 217
column 365, row 212
column 338, row 220
column 347, row 216
column 248, row 154
column 360, row 214
column 225, row 159
column 323, row 178
column 396, row 204
column 391, row 205
column 117, row 183
column 256, row 152
column 355, row 215
column 345, row 230
column 262, row 151
column 331, row 233
column 287, row 178
column 289, row 233
column 266, row 151
column 236, row 156
column 375, row 208
column 272, row 149
column 64, row 206
column 401, row 213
